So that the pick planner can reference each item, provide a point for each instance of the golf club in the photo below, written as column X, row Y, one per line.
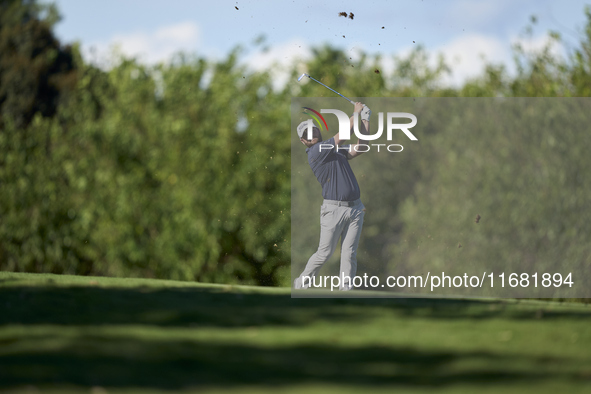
column 315, row 80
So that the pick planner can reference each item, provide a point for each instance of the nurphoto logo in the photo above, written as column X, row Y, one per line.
column 345, row 131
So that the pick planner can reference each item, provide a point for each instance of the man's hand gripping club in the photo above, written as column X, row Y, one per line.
column 364, row 112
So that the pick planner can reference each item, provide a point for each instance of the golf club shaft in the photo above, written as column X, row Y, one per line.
column 346, row 98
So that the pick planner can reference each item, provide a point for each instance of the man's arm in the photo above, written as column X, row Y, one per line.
column 358, row 108
column 364, row 129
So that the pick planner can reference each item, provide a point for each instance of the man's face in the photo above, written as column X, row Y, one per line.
column 316, row 137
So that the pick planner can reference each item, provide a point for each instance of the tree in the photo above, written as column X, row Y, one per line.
column 36, row 71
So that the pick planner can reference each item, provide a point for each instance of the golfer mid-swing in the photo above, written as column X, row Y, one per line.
column 341, row 214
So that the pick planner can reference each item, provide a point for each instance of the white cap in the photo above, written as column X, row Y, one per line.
column 303, row 127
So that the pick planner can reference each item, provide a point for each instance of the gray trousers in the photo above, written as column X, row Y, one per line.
column 337, row 220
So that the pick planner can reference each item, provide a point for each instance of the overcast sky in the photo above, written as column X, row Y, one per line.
column 463, row 30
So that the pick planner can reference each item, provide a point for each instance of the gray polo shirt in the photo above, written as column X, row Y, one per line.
column 333, row 171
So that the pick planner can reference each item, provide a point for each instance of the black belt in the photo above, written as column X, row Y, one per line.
column 343, row 203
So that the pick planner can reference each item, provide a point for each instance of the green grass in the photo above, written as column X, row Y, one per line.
column 68, row 334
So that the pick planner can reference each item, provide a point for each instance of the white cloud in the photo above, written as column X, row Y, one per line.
column 279, row 59
column 537, row 44
column 152, row 47
column 468, row 54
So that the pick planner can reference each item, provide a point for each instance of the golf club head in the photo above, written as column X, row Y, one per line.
column 302, row 76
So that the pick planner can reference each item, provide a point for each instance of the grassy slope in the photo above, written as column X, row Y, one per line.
column 69, row 334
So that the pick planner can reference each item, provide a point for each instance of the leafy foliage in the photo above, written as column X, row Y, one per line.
column 36, row 72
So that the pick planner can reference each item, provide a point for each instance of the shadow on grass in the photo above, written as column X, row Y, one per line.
column 164, row 364
column 168, row 362
column 206, row 307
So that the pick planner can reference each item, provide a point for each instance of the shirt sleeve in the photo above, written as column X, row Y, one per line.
column 323, row 150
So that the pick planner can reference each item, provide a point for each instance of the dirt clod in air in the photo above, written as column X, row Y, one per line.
column 477, row 219
column 383, row 27
column 343, row 14
column 343, row 36
column 351, row 15
column 376, row 71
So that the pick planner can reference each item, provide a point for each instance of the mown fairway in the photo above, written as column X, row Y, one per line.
column 84, row 334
